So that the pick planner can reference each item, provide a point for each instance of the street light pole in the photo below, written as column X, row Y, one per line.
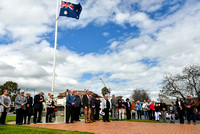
column 103, row 82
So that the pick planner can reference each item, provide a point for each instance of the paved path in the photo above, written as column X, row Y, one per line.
column 125, row 127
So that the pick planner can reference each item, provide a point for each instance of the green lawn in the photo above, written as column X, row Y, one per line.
column 10, row 118
column 13, row 118
column 15, row 129
column 133, row 120
column 150, row 121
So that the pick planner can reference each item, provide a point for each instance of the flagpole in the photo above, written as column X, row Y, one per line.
column 55, row 46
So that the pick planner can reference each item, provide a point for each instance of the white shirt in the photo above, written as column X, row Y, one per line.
column 179, row 103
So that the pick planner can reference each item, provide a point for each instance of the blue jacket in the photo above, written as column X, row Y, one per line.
column 70, row 99
column 138, row 107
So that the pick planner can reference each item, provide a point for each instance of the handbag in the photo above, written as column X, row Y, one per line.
column 102, row 113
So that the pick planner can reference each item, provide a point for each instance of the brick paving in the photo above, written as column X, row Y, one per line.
column 125, row 127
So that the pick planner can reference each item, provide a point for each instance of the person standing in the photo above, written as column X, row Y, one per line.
column 77, row 107
column 128, row 109
column 172, row 113
column 163, row 109
column 145, row 108
column 181, row 109
column 133, row 105
column 87, row 106
column 93, row 108
column 152, row 106
column 20, row 106
column 38, row 106
column 149, row 109
column 50, row 108
column 106, row 105
column 29, row 108
column 5, row 103
column 157, row 110
column 138, row 108
column 70, row 102
column 132, row 102
column 189, row 104
column 97, row 108
column 114, row 107
column 120, row 103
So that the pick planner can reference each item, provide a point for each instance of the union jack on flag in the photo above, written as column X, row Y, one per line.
column 70, row 10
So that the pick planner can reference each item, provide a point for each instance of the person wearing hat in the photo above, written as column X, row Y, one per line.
column 128, row 109
column 121, row 107
column 20, row 106
column 38, row 100
column 50, row 107
column 106, row 106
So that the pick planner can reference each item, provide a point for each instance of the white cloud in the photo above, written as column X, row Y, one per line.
column 106, row 34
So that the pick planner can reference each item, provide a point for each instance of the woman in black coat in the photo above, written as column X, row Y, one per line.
column 29, row 108
column 181, row 109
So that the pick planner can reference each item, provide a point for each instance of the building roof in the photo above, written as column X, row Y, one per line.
column 168, row 101
column 81, row 93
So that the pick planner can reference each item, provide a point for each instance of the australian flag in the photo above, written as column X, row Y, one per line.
column 70, row 10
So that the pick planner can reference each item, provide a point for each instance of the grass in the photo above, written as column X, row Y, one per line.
column 133, row 120
column 10, row 118
column 150, row 121
column 15, row 129
column 13, row 118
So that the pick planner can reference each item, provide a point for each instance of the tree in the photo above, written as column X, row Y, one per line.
column 140, row 94
column 179, row 85
column 105, row 91
column 162, row 96
column 12, row 88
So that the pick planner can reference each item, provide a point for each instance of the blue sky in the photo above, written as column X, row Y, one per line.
column 128, row 43
column 94, row 39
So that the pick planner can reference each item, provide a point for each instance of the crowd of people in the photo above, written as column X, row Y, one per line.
column 26, row 106
column 133, row 109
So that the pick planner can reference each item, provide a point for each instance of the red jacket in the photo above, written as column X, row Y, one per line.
column 152, row 106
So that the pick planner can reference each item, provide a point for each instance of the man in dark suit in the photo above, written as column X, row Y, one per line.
column 87, row 106
column 93, row 108
column 38, row 99
column 181, row 109
column 128, row 109
column 29, row 108
column 97, row 108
